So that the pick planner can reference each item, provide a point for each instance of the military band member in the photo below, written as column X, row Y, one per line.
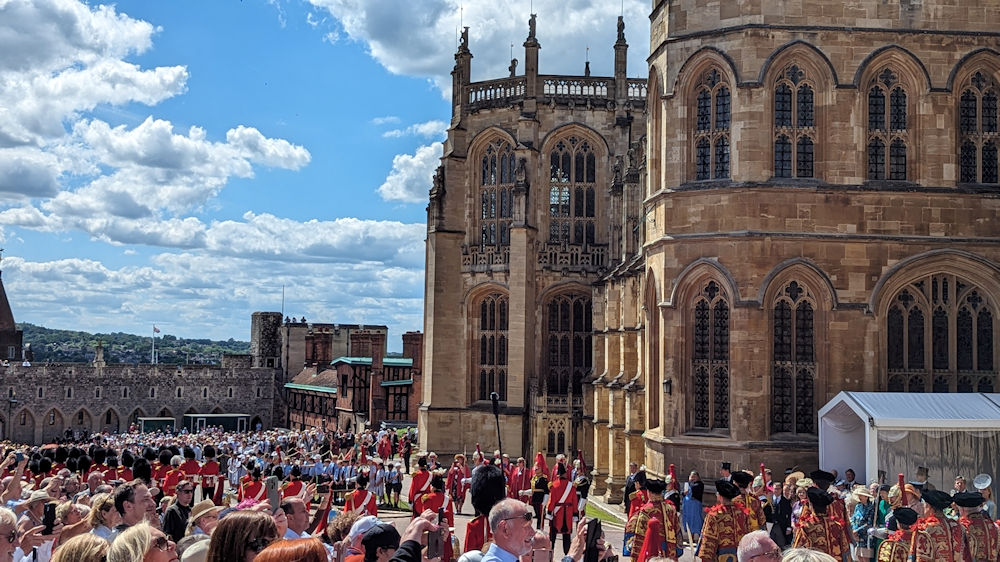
column 437, row 501
column 755, row 511
column 725, row 524
column 981, row 534
column 896, row 548
column 209, row 472
column 822, row 531
column 487, row 488
column 637, row 527
column 253, row 489
column 539, row 494
column 935, row 537
column 421, row 482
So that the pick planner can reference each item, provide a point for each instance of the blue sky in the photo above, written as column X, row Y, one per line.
column 177, row 163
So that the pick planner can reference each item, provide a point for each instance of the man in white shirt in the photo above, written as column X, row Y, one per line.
column 513, row 533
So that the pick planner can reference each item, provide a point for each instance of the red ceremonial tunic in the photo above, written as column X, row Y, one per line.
column 170, row 482
column 477, row 533
column 636, row 500
column 725, row 525
column 981, row 536
column 159, row 473
column 292, row 489
column 454, row 484
column 637, row 530
column 361, row 502
column 896, row 548
column 421, row 483
column 436, row 501
column 519, row 480
column 191, row 470
column 937, row 540
column 755, row 511
column 654, row 544
column 118, row 473
column 562, row 504
column 254, row 489
column 822, row 532
column 209, row 474
column 102, row 468
column 384, row 448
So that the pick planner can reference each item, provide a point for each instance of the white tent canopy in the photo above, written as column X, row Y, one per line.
column 895, row 432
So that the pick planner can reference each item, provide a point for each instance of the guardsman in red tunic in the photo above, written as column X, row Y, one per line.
column 725, row 524
column 160, row 468
column 360, row 500
column 896, row 548
column 637, row 528
column 421, row 481
column 116, row 472
column 100, row 456
column 822, row 531
column 487, row 488
column 190, row 467
column 294, row 487
column 639, row 497
column 437, row 501
column 935, row 537
column 756, row 519
column 209, row 473
column 174, row 475
column 254, row 488
column 562, row 507
column 981, row 534
column 457, row 483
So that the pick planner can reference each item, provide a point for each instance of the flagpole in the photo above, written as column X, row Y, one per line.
column 152, row 355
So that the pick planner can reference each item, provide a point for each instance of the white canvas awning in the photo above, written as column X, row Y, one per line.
column 953, row 433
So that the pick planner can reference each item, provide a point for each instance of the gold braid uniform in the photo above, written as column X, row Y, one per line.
column 896, row 548
column 937, row 540
column 823, row 532
column 755, row 511
column 982, row 537
column 724, row 526
column 635, row 528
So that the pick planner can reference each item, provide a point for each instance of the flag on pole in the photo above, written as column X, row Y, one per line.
column 156, row 330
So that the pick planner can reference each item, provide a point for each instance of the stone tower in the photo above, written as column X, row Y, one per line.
column 526, row 214
column 819, row 214
column 265, row 339
column 11, row 338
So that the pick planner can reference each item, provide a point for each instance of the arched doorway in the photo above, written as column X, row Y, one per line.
column 110, row 423
column 53, row 426
column 82, row 421
column 217, row 410
column 256, row 423
column 136, row 414
column 23, row 429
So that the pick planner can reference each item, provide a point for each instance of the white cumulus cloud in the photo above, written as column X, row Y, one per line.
column 411, row 175
column 430, row 129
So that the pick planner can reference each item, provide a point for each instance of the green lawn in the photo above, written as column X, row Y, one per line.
column 594, row 511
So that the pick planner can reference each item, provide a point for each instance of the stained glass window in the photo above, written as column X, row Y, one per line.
column 492, row 334
column 569, row 341
column 710, row 361
column 876, row 109
column 783, row 106
column 711, row 139
column 876, row 159
column 897, row 160
column 793, row 352
column 977, row 111
column 783, row 157
column 969, row 169
column 495, row 194
column 571, row 192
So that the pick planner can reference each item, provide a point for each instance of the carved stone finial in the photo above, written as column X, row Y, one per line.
column 621, row 28
column 531, row 27
column 464, row 45
column 513, row 67
column 586, row 68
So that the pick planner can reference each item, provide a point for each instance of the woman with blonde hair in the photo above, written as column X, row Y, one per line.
column 82, row 548
column 142, row 543
column 103, row 516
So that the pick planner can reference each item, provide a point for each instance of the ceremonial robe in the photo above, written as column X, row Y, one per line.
column 755, row 511
column 982, row 537
column 252, row 490
column 654, row 545
column 636, row 500
column 725, row 525
column 937, row 540
column 170, row 482
column 896, row 548
column 562, row 504
column 825, row 533
column 292, row 489
column 457, row 488
column 637, row 527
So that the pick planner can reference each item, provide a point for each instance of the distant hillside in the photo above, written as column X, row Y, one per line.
column 69, row 346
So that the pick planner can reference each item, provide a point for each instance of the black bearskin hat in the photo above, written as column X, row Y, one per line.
column 142, row 470
column 84, row 463
column 188, row 453
column 209, row 452
column 149, row 454
column 165, row 457
column 100, row 455
column 62, row 453
column 127, row 459
column 45, row 465
column 71, row 464
column 488, row 487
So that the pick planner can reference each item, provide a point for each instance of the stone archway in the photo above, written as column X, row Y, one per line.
column 82, row 421
column 256, row 421
column 53, row 425
column 110, row 421
column 136, row 414
column 23, row 428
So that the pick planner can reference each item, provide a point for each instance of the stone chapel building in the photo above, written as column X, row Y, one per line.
column 812, row 207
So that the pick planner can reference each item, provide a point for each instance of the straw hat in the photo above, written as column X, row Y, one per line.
column 204, row 507
column 861, row 490
column 39, row 495
column 794, row 477
column 804, row 483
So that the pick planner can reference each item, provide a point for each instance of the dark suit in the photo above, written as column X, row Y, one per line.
column 781, row 532
column 629, row 488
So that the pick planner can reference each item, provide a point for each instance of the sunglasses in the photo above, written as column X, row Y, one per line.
column 187, row 491
column 260, row 543
column 526, row 516
column 162, row 543
column 775, row 554
column 12, row 537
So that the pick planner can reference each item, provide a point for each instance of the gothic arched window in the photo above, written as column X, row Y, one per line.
column 568, row 358
column 940, row 330
column 710, row 359
column 794, row 125
column 492, row 335
column 572, row 192
column 495, row 194
column 711, row 138
column 977, row 130
column 793, row 357
column 887, row 126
